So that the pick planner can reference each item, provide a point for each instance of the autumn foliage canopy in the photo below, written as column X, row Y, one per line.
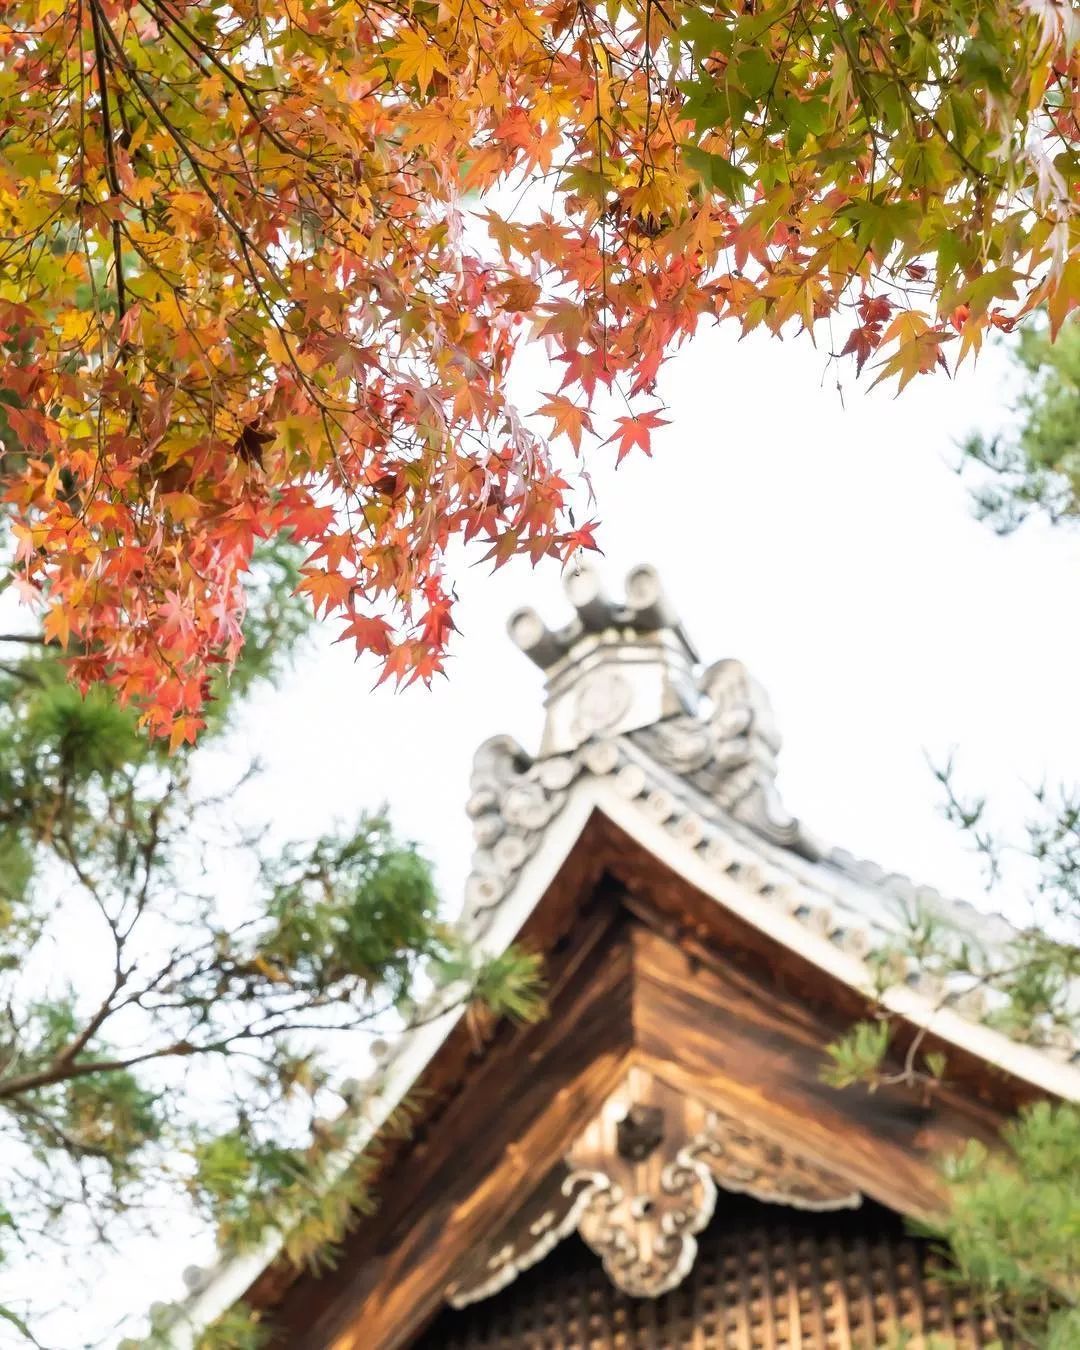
column 265, row 268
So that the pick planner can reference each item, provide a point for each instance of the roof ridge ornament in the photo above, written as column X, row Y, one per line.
column 626, row 697
column 728, row 750
column 614, row 666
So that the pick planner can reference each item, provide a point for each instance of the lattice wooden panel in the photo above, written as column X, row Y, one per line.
column 764, row 1279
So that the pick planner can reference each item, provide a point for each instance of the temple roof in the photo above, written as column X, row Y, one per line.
column 681, row 757
column 684, row 756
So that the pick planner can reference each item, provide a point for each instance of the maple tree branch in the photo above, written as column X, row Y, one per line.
column 101, row 63
column 247, row 247
column 916, row 109
column 185, row 149
column 242, row 87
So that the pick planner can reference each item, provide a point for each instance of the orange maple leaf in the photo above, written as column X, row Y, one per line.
column 635, row 430
column 569, row 419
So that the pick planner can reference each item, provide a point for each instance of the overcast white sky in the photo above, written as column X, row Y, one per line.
column 832, row 549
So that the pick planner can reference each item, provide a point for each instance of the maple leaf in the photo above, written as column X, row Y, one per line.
column 506, row 544
column 369, row 632
column 436, row 623
column 174, row 615
column 184, row 730
column 518, row 295
column 249, row 444
column 875, row 309
column 56, row 625
column 586, row 369
column 569, row 419
column 409, row 662
column 328, row 590
column 635, row 430
column 918, row 351
column 419, row 57
column 861, row 341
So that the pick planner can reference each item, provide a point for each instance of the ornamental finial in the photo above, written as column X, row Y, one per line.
column 614, row 666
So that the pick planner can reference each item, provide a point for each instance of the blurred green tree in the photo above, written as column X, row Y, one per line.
column 1034, row 467
column 172, row 984
column 1013, row 1226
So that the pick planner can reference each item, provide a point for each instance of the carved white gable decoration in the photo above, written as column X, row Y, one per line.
column 639, row 1183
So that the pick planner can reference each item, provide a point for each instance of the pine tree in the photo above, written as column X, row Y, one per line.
column 1036, row 467
column 1013, row 1223
column 161, row 1042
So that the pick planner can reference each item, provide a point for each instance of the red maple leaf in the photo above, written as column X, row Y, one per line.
column 369, row 632
column 635, row 431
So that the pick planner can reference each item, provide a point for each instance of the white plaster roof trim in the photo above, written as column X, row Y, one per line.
column 857, row 907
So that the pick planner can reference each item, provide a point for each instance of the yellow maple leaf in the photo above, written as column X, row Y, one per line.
column 419, row 57
column 56, row 626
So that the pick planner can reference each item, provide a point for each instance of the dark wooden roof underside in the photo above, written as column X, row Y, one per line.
column 641, row 968
column 765, row 1278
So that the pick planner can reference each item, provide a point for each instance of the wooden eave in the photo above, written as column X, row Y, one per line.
column 643, row 969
